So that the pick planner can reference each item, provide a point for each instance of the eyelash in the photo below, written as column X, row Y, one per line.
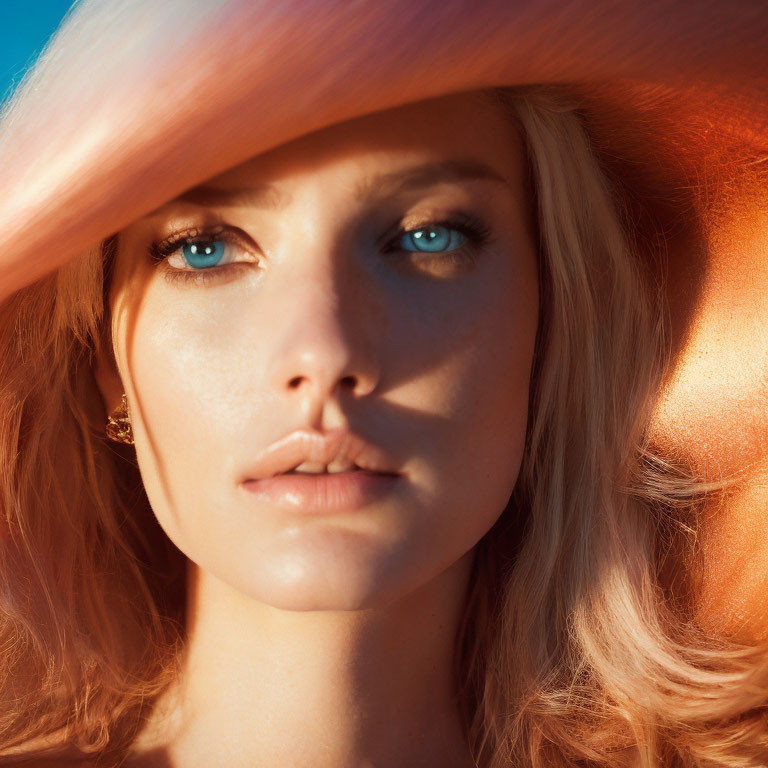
column 477, row 234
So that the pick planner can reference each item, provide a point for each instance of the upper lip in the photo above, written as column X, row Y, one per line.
column 324, row 447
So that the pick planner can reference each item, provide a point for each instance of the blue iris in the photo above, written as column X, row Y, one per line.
column 203, row 254
column 435, row 239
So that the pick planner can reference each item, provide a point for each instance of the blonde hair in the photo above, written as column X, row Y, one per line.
column 568, row 651
column 580, row 652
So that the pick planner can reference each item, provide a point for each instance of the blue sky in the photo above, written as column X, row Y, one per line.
column 25, row 26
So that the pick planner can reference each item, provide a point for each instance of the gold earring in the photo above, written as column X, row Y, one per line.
column 119, row 424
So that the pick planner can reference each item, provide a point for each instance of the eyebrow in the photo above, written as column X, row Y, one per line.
column 269, row 197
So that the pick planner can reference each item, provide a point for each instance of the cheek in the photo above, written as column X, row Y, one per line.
column 479, row 394
column 187, row 378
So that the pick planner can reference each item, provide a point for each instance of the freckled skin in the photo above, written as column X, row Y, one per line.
column 311, row 618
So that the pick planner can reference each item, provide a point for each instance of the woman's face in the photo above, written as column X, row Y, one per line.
column 379, row 276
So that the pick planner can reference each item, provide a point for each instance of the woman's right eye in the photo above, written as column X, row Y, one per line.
column 202, row 256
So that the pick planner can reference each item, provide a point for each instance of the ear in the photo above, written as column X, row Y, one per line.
column 107, row 377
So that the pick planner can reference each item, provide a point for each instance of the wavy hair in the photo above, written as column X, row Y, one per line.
column 572, row 651
column 575, row 648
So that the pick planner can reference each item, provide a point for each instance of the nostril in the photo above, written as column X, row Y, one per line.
column 348, row 382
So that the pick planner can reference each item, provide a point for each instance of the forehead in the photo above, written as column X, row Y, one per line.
column 468, row 131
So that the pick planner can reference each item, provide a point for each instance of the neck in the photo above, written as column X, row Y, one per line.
column 337, row 688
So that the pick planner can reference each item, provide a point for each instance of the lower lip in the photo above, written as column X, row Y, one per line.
column 318, row 494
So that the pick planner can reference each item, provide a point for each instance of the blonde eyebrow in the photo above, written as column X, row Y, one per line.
column 268, row 197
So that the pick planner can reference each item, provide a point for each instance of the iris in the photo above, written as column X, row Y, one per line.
column 434, row 239
column 203, row 254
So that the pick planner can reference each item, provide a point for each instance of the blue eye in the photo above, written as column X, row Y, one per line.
column 434, row 239
column 201, row 254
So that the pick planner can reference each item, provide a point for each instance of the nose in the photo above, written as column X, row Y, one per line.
column 325, row 345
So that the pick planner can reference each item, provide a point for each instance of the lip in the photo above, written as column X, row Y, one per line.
column 324, row 447
column 376, row 475
column 323, row 493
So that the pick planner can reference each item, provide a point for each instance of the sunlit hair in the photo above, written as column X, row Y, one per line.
column 569, row 651
column 580, row 654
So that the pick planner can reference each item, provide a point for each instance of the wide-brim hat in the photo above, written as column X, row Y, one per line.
column 116, row 121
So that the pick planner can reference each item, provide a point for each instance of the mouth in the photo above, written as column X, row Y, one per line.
column 321, row 454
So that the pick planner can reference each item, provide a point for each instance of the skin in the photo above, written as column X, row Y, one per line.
column 328, row 640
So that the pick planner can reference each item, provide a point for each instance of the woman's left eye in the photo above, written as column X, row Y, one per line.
column 432, row 239
column 456, row 240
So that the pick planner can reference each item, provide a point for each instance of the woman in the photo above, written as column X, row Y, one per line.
column 458, row 296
